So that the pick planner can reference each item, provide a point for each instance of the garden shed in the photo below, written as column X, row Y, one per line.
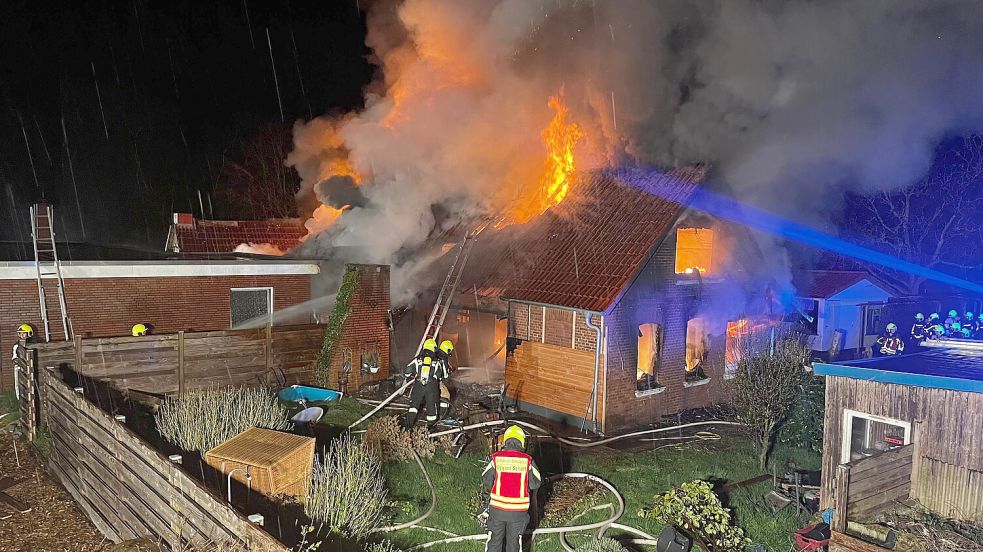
column 907, row 427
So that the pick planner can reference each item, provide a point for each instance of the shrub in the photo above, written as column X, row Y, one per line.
column 694, row 507
column 348, row 492
column 387, row 441
column 202, row 420
column 383, row 546
column 804, row 427
column 601, row 545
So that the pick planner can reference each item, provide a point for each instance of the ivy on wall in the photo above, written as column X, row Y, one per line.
column 336, row 322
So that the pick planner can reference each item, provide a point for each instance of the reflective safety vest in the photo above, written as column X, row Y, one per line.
column 510, row 492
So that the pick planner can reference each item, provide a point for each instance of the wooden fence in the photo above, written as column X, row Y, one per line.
column 174, row 363
column 127, row 488
column 869, row 486
column 26, row 384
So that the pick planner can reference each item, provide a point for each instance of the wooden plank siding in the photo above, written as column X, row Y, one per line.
column 553, row 377
column 878, row 481
column 128, row 489
column 946, row 431
column 154, row 363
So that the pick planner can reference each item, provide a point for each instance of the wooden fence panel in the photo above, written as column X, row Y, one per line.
column 878, row 481
column 25, row 380
column 130, row 490
column 173, row 363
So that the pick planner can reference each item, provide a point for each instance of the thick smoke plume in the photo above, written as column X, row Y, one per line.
column 791, row 102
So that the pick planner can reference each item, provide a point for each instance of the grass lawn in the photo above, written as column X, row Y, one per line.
column 9, row 406
column 638, row 476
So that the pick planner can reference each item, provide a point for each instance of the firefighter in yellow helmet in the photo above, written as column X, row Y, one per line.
column 21, row 353
column 422, row 370
column 444, row 352
column 139, row 330
column 510, row 475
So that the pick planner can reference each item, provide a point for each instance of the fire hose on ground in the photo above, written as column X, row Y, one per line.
column 601, row 526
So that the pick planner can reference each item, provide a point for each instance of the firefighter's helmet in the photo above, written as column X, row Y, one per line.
column 139, row 330
column 957, row 327
column 430, row 345
column 446, row 346
column 939, row 329
column 25, row 328
column 969, row 315
column 934, row 316
column 966, row 333
column 892, row 327
column 515, row 432
column 953, row 313
column 919, row 317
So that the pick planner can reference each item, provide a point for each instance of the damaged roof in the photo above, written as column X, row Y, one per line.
column 191, row 235
column 583, row 252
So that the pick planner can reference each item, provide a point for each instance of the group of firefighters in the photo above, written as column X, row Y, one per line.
column 510, row 474
column 967, row 326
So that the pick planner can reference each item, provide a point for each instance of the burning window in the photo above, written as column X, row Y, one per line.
column 744, row 336
column 649, row 356
column 694, row 250
column 697, row 346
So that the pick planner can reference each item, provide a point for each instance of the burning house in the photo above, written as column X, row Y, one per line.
column 620, row 306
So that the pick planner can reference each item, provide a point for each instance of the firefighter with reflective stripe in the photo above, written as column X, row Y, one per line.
column 444, row 352
column 918, row 329
column 955, row 330
column 21, row 353
column 953, row 318
column 890, row 343
column 978, row 327
column 510, row 475
column 936, row 332
column 422, row 370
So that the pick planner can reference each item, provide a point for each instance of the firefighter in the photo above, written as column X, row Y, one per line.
column 936, row 332
column 444, row 352
column 422, row 370
column 978, row 327
column 969, row 321
column 950, row 320
column 933, row 319
column 967, row 333
column 918, row 329
column 139, row 330
column 21, row 353
column 890, row 343
column 955, row 330
column 510, row 475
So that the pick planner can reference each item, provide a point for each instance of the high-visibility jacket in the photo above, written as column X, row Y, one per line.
column 423, row 368
column 918, row 330
column 511, row 474
column 890, row 344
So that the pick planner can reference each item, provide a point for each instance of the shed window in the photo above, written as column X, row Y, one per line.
column 866, row 435
column 697, row 346
column 649, row 357
column 251, row 305
column 694, row 250
column 874, row 317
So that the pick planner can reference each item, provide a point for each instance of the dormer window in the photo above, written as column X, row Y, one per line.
column 694, row 250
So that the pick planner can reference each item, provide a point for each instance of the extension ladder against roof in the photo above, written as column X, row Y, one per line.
column 47, row 264
column 446, row 295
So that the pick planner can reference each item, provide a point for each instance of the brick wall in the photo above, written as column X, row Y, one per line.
column 658, row 296
column 527, row 325
column 103, row 307
column 365, row 330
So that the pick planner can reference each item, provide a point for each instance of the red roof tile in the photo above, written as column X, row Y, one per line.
column 223, row 236
column 583, row 252
column 822, row 284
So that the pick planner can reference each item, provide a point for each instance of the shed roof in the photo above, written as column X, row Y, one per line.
column 583, row 252
column 191, row 235
column 823, row 284
column 956, row 369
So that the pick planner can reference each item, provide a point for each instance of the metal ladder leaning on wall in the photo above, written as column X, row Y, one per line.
column 47, row 264
column 446, row 295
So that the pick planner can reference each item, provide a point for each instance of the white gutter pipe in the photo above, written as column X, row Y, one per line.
column 597, row 364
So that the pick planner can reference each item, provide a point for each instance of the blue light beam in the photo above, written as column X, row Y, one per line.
column 668, row 187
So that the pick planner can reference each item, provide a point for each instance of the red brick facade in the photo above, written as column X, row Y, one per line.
column 102, row 307
column 366, row 331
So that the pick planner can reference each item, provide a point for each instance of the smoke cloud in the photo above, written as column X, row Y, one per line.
column 791, row 102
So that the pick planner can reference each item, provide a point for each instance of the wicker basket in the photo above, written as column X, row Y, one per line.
column 279, row 463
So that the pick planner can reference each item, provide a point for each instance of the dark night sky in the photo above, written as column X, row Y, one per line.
column 181, row 84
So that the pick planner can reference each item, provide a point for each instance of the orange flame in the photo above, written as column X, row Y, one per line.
column 560, row 138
